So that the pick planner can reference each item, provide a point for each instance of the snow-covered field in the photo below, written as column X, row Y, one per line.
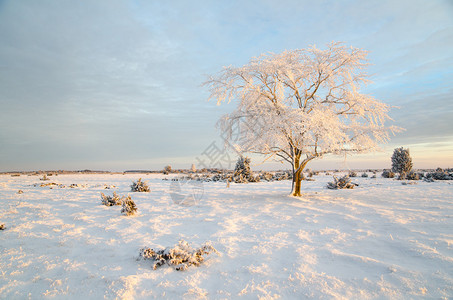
column 380, row 240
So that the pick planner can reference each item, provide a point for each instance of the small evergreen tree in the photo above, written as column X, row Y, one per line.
column 401, row 162
column 242, row 172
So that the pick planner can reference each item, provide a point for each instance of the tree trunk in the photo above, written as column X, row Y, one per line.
column 298, row 167
column 297, row 178
column 297, row 183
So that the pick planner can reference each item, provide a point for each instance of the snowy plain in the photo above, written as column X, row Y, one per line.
column 381, row 240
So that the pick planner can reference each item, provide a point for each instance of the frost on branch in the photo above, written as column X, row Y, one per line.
column 401, row 162
column 129, row 207
column 180, row 257
column 342, row 183
column 301, row 105
column 140, row 186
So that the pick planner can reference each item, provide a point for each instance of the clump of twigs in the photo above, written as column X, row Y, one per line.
column 180, row 257
column 341, row 183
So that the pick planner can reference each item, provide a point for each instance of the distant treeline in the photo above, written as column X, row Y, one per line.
column 185, row 171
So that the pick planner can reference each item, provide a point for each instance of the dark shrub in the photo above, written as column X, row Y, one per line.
column 388, row 174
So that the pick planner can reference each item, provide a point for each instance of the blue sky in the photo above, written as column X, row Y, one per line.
column 116, row 85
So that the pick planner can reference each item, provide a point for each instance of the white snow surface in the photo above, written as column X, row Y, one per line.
column 381, row 240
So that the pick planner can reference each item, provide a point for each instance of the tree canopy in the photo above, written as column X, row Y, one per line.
column 301, row 104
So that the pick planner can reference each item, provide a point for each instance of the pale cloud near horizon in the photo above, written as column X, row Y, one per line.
column 86, row 83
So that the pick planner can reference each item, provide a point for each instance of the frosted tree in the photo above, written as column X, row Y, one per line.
column 193, row 168
column 401, row 162
column 300, row 105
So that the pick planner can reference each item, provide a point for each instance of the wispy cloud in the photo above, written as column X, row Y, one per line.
column 88, row 83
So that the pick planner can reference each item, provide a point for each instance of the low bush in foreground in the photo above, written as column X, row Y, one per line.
column 413, row 176
column 129, row 207
column 342, row 183
column 439, row 174
column 140, row 186
column 180, row 257
column 111, row 200
column 352, row 174
column 388, row 174
column 44, row 178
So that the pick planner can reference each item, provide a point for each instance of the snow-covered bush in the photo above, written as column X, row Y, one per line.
column 401, row 162
column 44, row 178
column 412, row 176
column 180, row 257
column 111, row 200
column 167, row 170
column 242, row 172
column 352, row 174
column 140, row 186
column 267, row 176
column 388, row 174
column 364, row 175
column 287, row 175
column 342, row 183
column 440, row 174
column 20, row 191
column 129, row 207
